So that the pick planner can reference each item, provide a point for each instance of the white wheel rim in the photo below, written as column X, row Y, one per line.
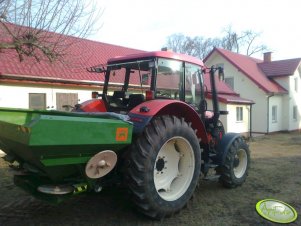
column 174, row 168
column 242, row 158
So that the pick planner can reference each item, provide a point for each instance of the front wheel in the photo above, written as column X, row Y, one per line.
column 164, row 167
column 236, row 165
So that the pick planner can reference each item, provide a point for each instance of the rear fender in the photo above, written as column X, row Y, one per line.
column 142, row 114
column 224, row 146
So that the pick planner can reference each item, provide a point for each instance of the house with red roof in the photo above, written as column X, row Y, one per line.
column 274, row 86
column 51, row 86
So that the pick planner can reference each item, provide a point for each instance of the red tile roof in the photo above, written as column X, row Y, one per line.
column 250, row 67
column 234, row 99
column 222, row 87
column 83, row 54
column 280, row 67
column 225, row 93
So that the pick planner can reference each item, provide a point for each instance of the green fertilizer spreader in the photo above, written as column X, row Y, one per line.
column 57, row 154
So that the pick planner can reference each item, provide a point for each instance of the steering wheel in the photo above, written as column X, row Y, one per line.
column 162, row 94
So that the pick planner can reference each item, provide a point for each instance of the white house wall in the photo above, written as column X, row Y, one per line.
column 284, row 82
column 295, row 100
column 16, row 96
column 235, row 126
column 229, row 121
column 247, row 89
column 289, row 101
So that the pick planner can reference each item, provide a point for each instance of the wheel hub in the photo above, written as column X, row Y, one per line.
column 240, row 163
column 174, row 168
column 236, row 161
column 160, row 164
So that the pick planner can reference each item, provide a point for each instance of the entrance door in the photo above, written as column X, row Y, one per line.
column 64, row 101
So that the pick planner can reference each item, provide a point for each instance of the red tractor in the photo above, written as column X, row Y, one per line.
column 176, row 139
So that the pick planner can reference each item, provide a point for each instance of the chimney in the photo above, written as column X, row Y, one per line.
column 166, row 49
column 267, row 57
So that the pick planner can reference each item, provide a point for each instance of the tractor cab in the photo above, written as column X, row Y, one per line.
column 134, row 79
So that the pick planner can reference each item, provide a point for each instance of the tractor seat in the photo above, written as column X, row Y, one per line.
column 119, row 94
column 135, row 99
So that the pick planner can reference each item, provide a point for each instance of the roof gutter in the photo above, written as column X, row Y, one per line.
column 250, row 120
column 62, row 81
column 50, row 80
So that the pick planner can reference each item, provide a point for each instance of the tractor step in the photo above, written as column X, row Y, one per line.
column 211, row 165
column 212, row 177
column 211, row 155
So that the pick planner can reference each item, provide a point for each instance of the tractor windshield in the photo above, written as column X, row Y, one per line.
column 126, row 83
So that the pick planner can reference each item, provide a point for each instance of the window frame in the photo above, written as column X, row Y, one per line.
column 296, row 84
column 295, row 113
column 239, row 114
column 231, row 85
column 32, row 97
column 274, row 113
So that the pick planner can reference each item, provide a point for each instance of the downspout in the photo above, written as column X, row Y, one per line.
column 268, row 112
column 250, row 117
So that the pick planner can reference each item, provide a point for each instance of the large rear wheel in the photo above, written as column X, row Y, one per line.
column 164, row 167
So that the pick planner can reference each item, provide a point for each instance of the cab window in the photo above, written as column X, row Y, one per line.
column 169, row 79
column 192, row 84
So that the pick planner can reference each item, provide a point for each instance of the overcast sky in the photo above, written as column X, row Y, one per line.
column 145, row 25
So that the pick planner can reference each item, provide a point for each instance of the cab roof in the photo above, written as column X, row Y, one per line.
column 161, row 54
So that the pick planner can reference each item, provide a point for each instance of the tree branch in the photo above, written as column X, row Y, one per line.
column 26, row 25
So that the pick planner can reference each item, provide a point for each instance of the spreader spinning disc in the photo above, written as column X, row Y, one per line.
column 101, row 164
column 55, row 189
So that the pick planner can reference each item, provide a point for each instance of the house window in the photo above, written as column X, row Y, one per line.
column 239, row 114
column 37, row 101
column 274, row 113
column 296, row 84
column 295, row 113
column 230, row 82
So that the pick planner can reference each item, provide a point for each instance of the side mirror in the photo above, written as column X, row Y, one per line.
column 145, row 79
column 95, row 95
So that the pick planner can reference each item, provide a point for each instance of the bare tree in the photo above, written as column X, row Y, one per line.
column 251, row 46
column 176, row 42
column 40, row 28
column 245, row 42
column 230, row 40
column 197, row 46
